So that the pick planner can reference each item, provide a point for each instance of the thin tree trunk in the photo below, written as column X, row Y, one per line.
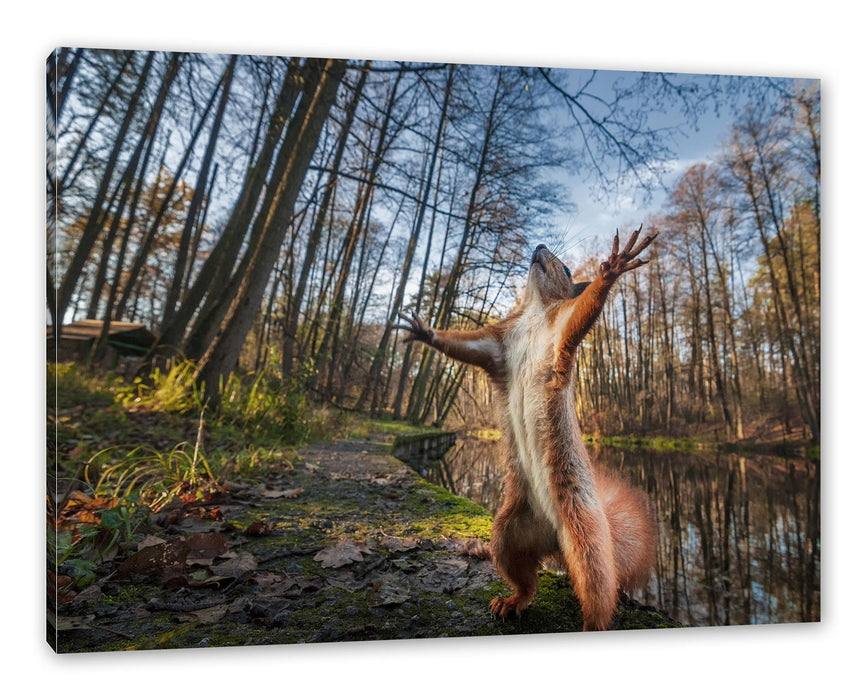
column 100, row 110
column 364, row 201
column 315, row 236
column 147, row 243
column 201, row 186
column 449, row 294
column 217, row 267
column 96, row 219
column 223, row 352
column 426, row 185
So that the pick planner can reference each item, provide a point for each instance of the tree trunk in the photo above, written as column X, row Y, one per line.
column 217, row 267
column 365, row 197
column 201, row 186
column 147, row 243
column 65, row 180
column 315, row 236
column 145, row 144
column 96, row 219
column 449, row 294
column 373, row 378
column 223, row 352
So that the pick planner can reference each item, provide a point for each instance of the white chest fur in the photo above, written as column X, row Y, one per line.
column 529, row 361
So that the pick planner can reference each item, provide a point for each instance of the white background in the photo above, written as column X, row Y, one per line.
column 737, row 36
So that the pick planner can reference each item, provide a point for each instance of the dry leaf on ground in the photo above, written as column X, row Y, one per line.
column 342, row 553
column 287, row 493
column 400, row 544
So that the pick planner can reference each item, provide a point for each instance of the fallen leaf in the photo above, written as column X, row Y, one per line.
column 259, row 528
column 204, row 547
column 400, row 544
column 342, row 553
column 193, row 524
column 211, row 615
column 89, row 594
column 236, row 566
column 66, row 623
column 210, row 582
column 286, row 586
column 78, row 498
column 156, row 559
column 58, row 581
column 391, row 590
column 288, row 493
column 174, row 577
column 444, row 576
column 345, row 580
column 150, row 541
column 63, row 596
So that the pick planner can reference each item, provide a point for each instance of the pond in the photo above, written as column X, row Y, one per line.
column 739, row 535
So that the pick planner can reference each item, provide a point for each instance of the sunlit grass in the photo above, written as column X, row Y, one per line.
column 169, row 389
column 132, row 448
column 150, row 475
column 653, row 443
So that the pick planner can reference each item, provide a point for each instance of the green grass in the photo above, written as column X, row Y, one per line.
column 354, row 426
column 136, row 446
column 652, row 443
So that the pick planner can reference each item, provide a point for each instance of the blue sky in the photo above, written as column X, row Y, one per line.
column 597, row 216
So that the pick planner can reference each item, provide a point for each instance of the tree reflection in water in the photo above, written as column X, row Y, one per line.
column 739, row 536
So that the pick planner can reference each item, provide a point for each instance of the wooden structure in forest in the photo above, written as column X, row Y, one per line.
column 77, row 339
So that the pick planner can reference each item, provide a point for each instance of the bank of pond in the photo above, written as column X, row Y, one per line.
column 739, row 533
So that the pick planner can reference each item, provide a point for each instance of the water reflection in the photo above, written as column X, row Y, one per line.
column 739, row 536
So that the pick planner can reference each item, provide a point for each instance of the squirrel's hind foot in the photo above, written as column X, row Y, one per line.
column 511, row 606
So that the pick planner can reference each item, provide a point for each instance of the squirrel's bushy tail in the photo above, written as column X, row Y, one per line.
column 633, row 529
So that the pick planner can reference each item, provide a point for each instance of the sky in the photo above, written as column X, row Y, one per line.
column 596, row 217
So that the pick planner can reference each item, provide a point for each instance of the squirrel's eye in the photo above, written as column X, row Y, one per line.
column 567, row 272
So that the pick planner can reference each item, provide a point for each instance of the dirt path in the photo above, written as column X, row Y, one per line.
column 345, row 543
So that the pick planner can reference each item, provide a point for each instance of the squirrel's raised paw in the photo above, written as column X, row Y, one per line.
column 621, row 262
column 418, row 330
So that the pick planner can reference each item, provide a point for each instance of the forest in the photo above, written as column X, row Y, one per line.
column 266, row 218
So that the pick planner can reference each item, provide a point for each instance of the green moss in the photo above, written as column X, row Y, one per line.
column 491, row 434
column 354, row 426
column 130, row 593
column 662, row 444
column 404, row 438
column 436, row 512
column 556, row 609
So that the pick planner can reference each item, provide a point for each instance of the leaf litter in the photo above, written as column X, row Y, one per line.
column 353, row 546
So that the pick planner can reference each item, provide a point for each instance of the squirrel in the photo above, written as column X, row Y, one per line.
column 556, row 503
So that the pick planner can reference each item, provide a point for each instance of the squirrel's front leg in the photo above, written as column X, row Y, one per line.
column 578, row 315
column 480, row 347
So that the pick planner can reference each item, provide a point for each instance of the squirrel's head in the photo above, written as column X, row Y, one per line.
column 550, row 279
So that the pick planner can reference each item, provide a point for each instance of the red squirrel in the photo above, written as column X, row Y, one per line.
column 556, row 503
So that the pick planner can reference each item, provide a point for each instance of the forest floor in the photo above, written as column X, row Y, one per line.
column 335, row 541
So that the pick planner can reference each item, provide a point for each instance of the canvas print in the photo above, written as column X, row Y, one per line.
column 345, row 350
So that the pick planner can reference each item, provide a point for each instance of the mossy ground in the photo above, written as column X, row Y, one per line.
column 416, row 578
column 281, row 513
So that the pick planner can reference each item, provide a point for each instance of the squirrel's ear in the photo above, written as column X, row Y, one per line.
column 577, row 288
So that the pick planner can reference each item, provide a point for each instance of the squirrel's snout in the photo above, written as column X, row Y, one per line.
column 539, row 255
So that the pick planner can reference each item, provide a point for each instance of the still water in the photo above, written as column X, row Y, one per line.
column 739, row 536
